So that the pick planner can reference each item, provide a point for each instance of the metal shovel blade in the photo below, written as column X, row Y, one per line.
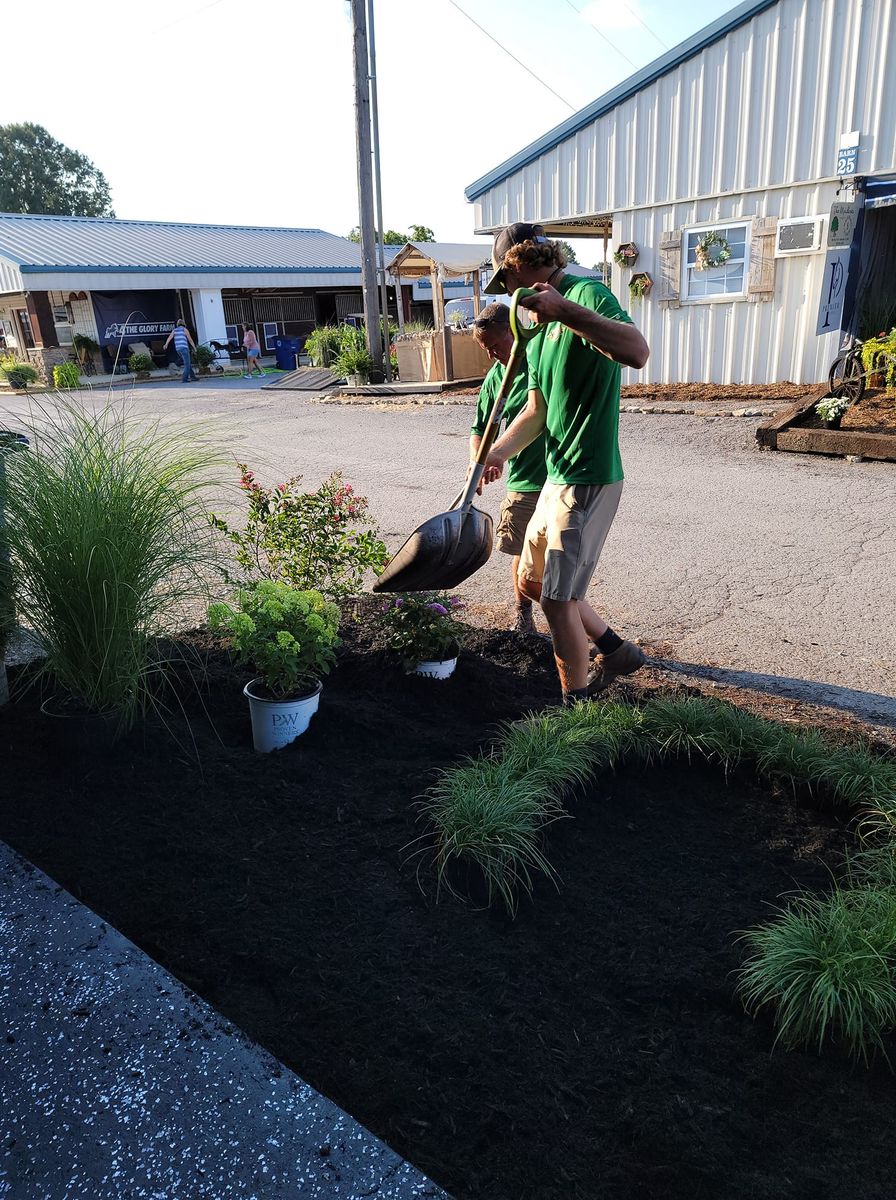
column 441, row 553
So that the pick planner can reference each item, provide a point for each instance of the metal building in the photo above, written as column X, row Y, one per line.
column 751, row 130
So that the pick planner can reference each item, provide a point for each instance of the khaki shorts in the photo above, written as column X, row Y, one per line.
column 517, row 510
column 566, row 535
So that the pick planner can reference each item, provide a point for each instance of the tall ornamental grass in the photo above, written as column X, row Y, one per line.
column 110, row 541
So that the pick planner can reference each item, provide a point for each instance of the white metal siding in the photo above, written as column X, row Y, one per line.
column 10, row 277
column 761, row 108
column 750, row 126
column 98, row 281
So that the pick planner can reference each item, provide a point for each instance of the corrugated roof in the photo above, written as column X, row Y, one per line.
column 41, row 243
column 635, row 83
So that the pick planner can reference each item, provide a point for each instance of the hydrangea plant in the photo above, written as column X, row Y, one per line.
column 288, row 636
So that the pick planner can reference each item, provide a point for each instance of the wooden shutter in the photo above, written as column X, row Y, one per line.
column 670, row 269
column 761, row 280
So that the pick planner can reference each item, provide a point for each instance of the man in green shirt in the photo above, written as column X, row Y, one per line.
column 527, row 471
column 574, row 401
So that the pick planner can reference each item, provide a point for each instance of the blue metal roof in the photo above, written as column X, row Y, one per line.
column 41, row 243
column 635, row 83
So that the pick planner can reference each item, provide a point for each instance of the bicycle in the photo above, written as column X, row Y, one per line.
column 847, row 376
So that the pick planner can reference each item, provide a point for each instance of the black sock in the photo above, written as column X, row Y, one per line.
column 573, row 697
column 523, row 604
column 608, row 642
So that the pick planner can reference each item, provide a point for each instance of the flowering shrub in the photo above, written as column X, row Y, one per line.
column 422, row 627
column 288, row 636
column 829, row 408
column 306, row 539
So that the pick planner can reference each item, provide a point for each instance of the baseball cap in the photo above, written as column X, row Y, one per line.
column 511, row 235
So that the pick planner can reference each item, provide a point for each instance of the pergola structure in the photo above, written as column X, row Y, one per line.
column 440, row 261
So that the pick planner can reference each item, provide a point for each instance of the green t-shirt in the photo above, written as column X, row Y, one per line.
column 581, row 390
column 526, row 471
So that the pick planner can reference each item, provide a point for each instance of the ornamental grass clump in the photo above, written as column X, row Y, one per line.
column 421, row 627
column 827, row 968
column 324, row 540
column 288, row 636
column 108, row 531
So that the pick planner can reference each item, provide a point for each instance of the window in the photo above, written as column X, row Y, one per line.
column 25, row 326
column 726, row 281
column 271, row 331
column 62, row 319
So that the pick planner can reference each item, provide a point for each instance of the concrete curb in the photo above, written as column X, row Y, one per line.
column 118, row 1081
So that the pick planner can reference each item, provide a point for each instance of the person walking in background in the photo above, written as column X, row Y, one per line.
column 526, row 472
column 182, row 344
column 253, row 352
column 573, row 400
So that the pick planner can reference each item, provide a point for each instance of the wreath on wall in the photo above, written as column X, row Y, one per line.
column 712, row 250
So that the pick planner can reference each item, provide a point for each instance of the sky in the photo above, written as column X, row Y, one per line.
column 227, row 112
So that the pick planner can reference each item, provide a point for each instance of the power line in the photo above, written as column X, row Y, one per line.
column 528, row 70
column 642, row 23
column 622, row 54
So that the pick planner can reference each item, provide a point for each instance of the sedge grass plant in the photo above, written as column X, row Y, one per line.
column 106, row 524
column 827, row 968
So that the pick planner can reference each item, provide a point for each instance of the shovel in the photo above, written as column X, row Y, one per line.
column 449, row 548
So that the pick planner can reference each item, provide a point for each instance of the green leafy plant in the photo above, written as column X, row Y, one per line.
column 204, row 356
column 413, row 329
column 306, row 539
column 353, row 360
column 323, row 345
column 879, row 354
column 288, row 636
column 66, row 375
column 422, row 627
column 639, row 286
column 84, row 345
column 107, row 526
column 827, row 968
column 140, row 362
column 19, row 375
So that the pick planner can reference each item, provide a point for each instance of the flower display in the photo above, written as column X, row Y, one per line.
column 422, row 627
column 288, row 636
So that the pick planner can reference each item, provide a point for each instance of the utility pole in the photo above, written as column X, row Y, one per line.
column 375, row 122
column 365, row 184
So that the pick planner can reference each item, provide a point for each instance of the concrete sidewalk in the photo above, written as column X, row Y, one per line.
column 118, row 1082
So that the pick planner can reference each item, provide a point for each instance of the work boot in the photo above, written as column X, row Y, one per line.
column 525, row 622
column 625, row 660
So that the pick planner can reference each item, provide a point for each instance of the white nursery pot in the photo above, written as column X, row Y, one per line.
column 436, row 669
column 276, row 723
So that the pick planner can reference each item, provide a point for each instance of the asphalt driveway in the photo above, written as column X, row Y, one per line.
column 731, row 559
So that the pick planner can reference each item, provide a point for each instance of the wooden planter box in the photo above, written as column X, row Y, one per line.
column 785, row 432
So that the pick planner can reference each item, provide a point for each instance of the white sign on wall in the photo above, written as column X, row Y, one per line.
column 833, row 291
column 848, row 153
column 842, row 224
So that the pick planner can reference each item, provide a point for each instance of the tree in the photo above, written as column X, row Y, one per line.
column 568, row 251
column 40, row 175
column 416, row 233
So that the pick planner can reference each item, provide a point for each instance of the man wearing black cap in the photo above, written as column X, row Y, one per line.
column 574, row 370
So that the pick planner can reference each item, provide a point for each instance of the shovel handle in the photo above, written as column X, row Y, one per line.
column 521, row 335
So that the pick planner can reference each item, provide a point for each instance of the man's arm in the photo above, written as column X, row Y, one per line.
column 617, row 339
column 525, row 429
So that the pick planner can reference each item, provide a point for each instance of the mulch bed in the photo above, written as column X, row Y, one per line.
column 591, row 1048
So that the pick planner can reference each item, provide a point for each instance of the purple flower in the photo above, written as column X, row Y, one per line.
column 399, row 602
column 439, row 608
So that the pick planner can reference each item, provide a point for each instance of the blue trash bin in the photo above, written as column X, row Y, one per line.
column 286, row 349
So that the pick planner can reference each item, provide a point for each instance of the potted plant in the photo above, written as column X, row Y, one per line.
column 85, row 348
column 879, row 359
column 639, row 286
column 204, row 356
column 626, row 255
column 141, row 364
column 354, row 362
column 831, row 410
column 422, row 629
column 289, row 637
column 19, row 375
